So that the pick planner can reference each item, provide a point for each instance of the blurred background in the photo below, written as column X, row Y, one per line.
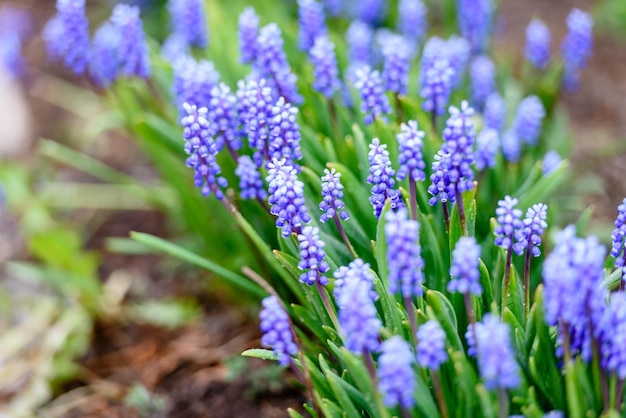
column 91, row 326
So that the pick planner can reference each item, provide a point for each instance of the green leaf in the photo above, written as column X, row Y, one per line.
column 443, row 311
column 342, row 395
column 260, row 353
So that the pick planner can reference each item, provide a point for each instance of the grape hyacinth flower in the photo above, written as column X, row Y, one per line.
column 277, row 330
column 193, row 82
column 476, row 22
column 412, row 19
column 255, row 103
column 371, row 12
column 202, row 151
column 410, row 157
column 286, row 197
column 381, row 178
column 613, row 335
column 11, row 59
column 357, row 270
column 359, row 38
column 464, row 269
column 404, row 257
column 509, row 222
column 487, row 147
column 618, row 238
column 396, row 379
column 436, row 87
column 574, row 264
column 494, row 112
column 457, row 52
column 188, row 19
column 490, row 342
column 431, row 345
column 441, row 187
column 248, row 32
column 325, row 70
column 551, row 161
column 284, row 140
column 104, row 59
column 332, row 195
column 224, row 118
column 67, row 35
column 311, row 23
column 528, row 120
column 334, row 7
column 250, row 182
column 538, row 39
column 576, row 47
column 375, row 103
column 359, row 324
column 133, row 52
column 483, row 79
column 175, row 47
column 397, row 54
column 511, row 146
column 312, row 257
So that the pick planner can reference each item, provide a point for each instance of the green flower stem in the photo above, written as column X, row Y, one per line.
column 619, row 392
column 408, row 305
column 344, row 237
column 446, row 216
column 413, row 192
column 527, row 255
column 329, row 307
column 460, row 207
column 441, row 401
column 507, row 274
column 433, row 120
column 334, row 120
column 399, row 114
column 503, row 403
column 371, row 368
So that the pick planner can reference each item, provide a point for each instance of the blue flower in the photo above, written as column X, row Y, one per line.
column 332, row 195
column 277, row 331
column 248, row 32
column 11, row 59
column 359, row 38
column 224, row 118
column 311, row 23
column 551, row 161
column 487, row 147
column 459, row 136
column 374, row 102
column 202, row 151
column 381, row 178
column 134, row 57
column 576, row 47
column 511, row 146
column 312, row 257
column 437, row 86
column 412, row 19
column 250, row 182
column 618, row 238
column 286, row 197
column 494, row 112
column 396, row 378
column 441, row 188
column 104, row 60
column 528, row 120
column 193, row 82
column 284, row 140
column 397, row 54
column 476, row 22
column 431, row 345
column 509, row 222
column 175, row 47
column 67, row 35
column 254, row 105
column 538, row 39
column 483, row 79
column 613, row 334
column 404, row 258
column 371, row 11
column 529, row 236
column 490, row 343
column 357, row 270
column 464, row 269
column 325, row 71
column 410, row 158
column 188, row 19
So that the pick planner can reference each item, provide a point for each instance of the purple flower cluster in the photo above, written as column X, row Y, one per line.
column 404, row 258
column 248, row 32
column 412, row 19
column 175, row 47
column 551, row 162
column 250, row 182
column 441, row 188
column 277, row 331
column 410, row 158
column 509, row 222
column 193, row 82
column 618, row 238
column 11, row 59
column 436, row 87
column 483, row 79
column 431, row 345
column 332, row 193
column 381, row 178
column 528, row 120
column 371, row 11
column 374, row 103
column 188, row 20
column 133, row 49
column 487, row 147
column 104, row 59
column 576, row 47
column 538, row 39
column 359, row 38
column 476, row 22
column 528, row 237
column 357, row 314
column 224, row 118
column 494, row 112
column 357, row 270
column 613, row 330
column 490, row 342
column 202, row 151
column 312, row 257
column 464, row 269
column 574, row 264
column 397, row 55
column 284, row 140
column 286, row 197
column 255, row 103
column 310, row 22
column 511, row 146
column 325, row 70
column 67, row 35
column 396, row 379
